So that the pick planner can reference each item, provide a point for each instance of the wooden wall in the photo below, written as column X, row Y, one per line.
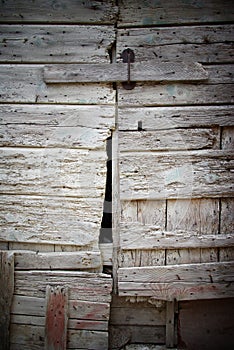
column 53, row 173
column 176, row 154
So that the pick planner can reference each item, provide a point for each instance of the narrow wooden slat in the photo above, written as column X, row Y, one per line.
column 178, row 290
column 170, row 319
column 137, row 13
column 142, row 71
column 137, row 236
column 56, row 261
column 48, row 11
column 204, row 272
column 56, row 318
column 106, row 250
column 55, row 44
column 157, row 118
column 176, row 174
column 6, row 294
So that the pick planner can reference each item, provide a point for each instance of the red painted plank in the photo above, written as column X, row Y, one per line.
column 56, row 318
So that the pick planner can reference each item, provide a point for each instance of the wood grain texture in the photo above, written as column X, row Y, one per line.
column 174, row 139
column 170, row 324
column 158, row 118
column 39, row 219
column 48, row 11
column 138, row 236
column 175, row 174
column 106, row 250
column 196, row 215
column 24, row 84
column 136, row 13
column 6, row 294
column 56, row 318
column 117, row 72
column 79, row 173
column 206, row 43
column 152, row 213
column 78, row 309
column 141, row 257
column 55, row 44
column 205, row 272
column 56, row 261
column 82, row 285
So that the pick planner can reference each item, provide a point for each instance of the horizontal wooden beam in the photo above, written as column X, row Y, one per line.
column 152, row 70
column 28, row 260
column 181, row 282
column 139, row 236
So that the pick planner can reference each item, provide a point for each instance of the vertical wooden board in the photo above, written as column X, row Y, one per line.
column 56, row 318
column 129, row 211
column 228, row 137
column 198, row 215
column 6, row 295
column 152, row 212
column 183, row 256
column 170, row 323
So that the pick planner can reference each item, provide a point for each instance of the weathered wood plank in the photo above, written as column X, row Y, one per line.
column 55, row 44
column 106, row 250
column 143, row 71
column 170, row 324
column 34, row 219
column 56, row 261
column 71, row 11
column 178, row 290
column 53, row 171
column 85, row 339
column 82, row 286
column 175, row 94
column 6, row 294
column 175, row 139
column 158, row 118
column 204, row 272
column 56, row 318
column 78, row 309
column 206, row 44
column 55, row 126
column 33, row 247
column 136, row 13
column 24, row 83
column 175, row 174
column 137, row 257
column 194, row 215
column 137, row 236
column 152, row 213
column 27, row 336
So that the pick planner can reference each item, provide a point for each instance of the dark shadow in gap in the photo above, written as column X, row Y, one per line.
column 106, row 225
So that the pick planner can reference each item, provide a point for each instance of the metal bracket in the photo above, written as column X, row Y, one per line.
column 128, row 57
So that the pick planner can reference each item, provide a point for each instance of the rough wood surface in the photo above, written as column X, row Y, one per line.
column 55, row 44
column 56, row 318
column 55, row 126
column 6, row 294
column 137, row 236
column 137, row 13
column 56, row 261
column 153, row 70
column 195, row 215
column 144, row 257
column 205, row 273
column 206, row 44
column 152, row 213
column 49, row 11
column 53, row 171
column 178, row 290
column 170, row 324
column 106, row 250
column 175, row 139
column 158, row 118
column 176, row 174
column 85, row 310
column 24, row 83
column 35, row 219
column 94, row 340
column 82, row 285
